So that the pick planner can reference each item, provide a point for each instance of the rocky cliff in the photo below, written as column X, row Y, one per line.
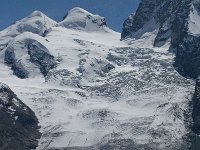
column 175, row 23
column 172, row 21
column 18, row 124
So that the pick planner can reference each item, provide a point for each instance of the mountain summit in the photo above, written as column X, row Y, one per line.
column 36, row 22
column 78, row 18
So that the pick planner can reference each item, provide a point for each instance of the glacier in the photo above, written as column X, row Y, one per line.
column 97, row 91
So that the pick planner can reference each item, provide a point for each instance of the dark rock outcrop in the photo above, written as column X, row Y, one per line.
column 136, row 21
column 196, row 108
column 171, row 20
column 194, row 137
column 187, row 60
column 18, row 123
column 168, row 17
column 16, row 66
column 40, row 56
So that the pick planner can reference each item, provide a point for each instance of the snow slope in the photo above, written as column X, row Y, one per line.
column 194, row 21
column 102, row 90
column 36, row 23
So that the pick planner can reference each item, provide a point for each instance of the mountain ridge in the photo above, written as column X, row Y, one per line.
column 78, row 18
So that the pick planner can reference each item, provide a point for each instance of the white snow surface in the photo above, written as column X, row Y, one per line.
column 194, row 22
column 36, row 22
column 102, row 89
column 80, row 19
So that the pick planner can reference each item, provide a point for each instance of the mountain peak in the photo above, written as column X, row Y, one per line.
column 76, row 11
column 78, row 18
column 36, row 13
column 36, row 22
column 164, row 20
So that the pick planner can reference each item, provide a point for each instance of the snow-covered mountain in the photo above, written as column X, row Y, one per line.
column 80, row 19
column 91, row 90
column 36, row 23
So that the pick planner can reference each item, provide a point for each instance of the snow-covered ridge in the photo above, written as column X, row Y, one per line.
column 17, row 40
column 36, row 22
column 78, row 18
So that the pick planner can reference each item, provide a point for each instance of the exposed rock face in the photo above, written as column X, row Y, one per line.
column 194, row 138
column 187, row 48
column 18, row 124
column 174, row 22
column 16, row 66
column 136, row 21
column 196, row 110
column 187, row 59
column 39, row 55
column 167, row 17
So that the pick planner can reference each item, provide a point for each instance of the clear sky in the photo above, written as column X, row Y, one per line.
column 115, row 11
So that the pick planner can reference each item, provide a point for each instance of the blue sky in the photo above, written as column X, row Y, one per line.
column 115, row 11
